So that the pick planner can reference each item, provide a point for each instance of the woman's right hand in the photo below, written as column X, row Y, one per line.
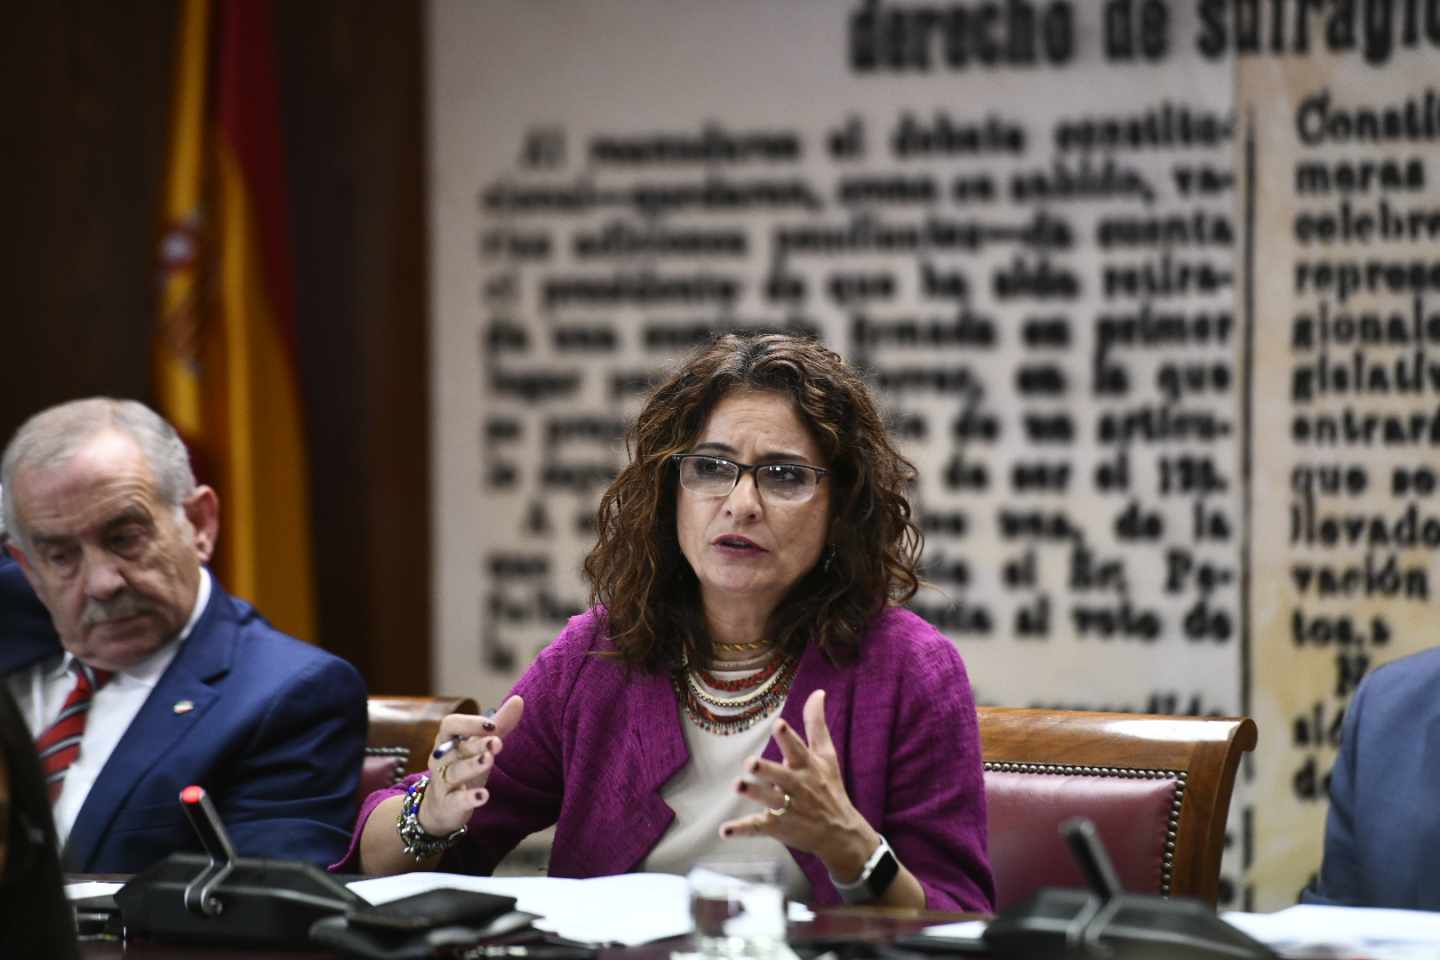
column 457, row 777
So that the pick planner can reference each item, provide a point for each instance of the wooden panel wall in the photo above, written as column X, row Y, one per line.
column 86, row 90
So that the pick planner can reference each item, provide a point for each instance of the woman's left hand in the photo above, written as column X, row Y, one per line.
column 805, row 800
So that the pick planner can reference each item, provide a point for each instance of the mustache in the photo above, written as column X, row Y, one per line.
column 118, row 607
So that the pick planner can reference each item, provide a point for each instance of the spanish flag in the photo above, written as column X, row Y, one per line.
column 225, row 362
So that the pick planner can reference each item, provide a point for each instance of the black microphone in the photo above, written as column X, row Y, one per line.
column 1090, row 854
column 1106, row 923
column 200, row 893
column 1083, row 934
column 219, row 895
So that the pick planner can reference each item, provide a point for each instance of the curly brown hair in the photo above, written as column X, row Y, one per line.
column 646, row 587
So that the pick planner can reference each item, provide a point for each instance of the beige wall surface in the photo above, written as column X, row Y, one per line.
column 1066, row 242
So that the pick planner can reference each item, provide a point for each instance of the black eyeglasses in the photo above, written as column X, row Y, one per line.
column 707, row 476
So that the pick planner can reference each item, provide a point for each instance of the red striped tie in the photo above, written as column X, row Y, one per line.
column 60, row 745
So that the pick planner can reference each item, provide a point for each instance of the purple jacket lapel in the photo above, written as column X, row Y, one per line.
column 621, row 815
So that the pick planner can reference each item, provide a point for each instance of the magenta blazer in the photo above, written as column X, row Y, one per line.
column 598, row 741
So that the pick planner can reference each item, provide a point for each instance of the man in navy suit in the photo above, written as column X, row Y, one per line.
column 1384, row 818
column 183, row 682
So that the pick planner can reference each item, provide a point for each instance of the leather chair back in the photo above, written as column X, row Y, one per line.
column 1157, row 788
column 402, row 734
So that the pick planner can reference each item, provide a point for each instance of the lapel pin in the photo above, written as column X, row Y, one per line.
column 184, row 706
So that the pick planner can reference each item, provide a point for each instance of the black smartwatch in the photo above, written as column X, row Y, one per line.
column 875, row 877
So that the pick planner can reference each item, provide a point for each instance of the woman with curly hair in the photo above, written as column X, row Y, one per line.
column 745, row 684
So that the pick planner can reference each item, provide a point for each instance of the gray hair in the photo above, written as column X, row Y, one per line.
column 53, row 436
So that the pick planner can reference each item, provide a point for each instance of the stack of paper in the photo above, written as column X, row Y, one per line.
column 1315, row 931
column 629, row 909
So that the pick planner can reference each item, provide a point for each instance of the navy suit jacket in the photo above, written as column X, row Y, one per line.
column 274, row 729
column 1383, row 827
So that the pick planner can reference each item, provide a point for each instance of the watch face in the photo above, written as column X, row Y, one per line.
column 875, row 877
column 884, row 873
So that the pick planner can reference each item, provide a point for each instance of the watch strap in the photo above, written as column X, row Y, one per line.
column 875, row 877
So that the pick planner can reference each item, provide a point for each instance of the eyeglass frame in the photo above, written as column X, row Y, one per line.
column 679, row 460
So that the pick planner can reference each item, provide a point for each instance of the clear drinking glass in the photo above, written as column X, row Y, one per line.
column 739, row 909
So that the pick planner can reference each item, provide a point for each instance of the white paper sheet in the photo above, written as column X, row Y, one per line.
column 90, row 888
column 628, row 909
column 1310, row 929
column 961, row 930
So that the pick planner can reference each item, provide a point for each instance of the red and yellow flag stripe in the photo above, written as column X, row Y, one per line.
column 226, row 367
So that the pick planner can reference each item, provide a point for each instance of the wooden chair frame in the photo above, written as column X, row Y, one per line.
column 1203, row 753
column 410, row 723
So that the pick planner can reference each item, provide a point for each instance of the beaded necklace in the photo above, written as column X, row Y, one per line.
column 731, row 703
column 749, row 663
column 742, row 683
column 751, row 645
column 755, row 706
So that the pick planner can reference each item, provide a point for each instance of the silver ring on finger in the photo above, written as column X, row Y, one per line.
column 781, row 810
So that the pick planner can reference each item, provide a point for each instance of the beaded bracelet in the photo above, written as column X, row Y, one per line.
column 413, row 837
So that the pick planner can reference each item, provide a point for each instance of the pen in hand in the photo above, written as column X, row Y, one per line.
column 448, row 745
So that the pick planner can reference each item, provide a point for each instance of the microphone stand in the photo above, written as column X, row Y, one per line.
column 1082, row 934
column 200, row 895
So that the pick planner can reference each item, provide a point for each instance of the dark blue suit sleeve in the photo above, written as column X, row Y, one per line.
column 1339, row 880
column 292, row 792
column 25, row 626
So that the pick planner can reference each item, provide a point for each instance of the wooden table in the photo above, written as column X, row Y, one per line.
column 868, row 924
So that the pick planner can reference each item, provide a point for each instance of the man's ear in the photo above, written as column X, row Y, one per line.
column 19, row 557
column 202, row 509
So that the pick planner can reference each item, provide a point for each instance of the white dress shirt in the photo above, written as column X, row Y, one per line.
column 40, row 692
